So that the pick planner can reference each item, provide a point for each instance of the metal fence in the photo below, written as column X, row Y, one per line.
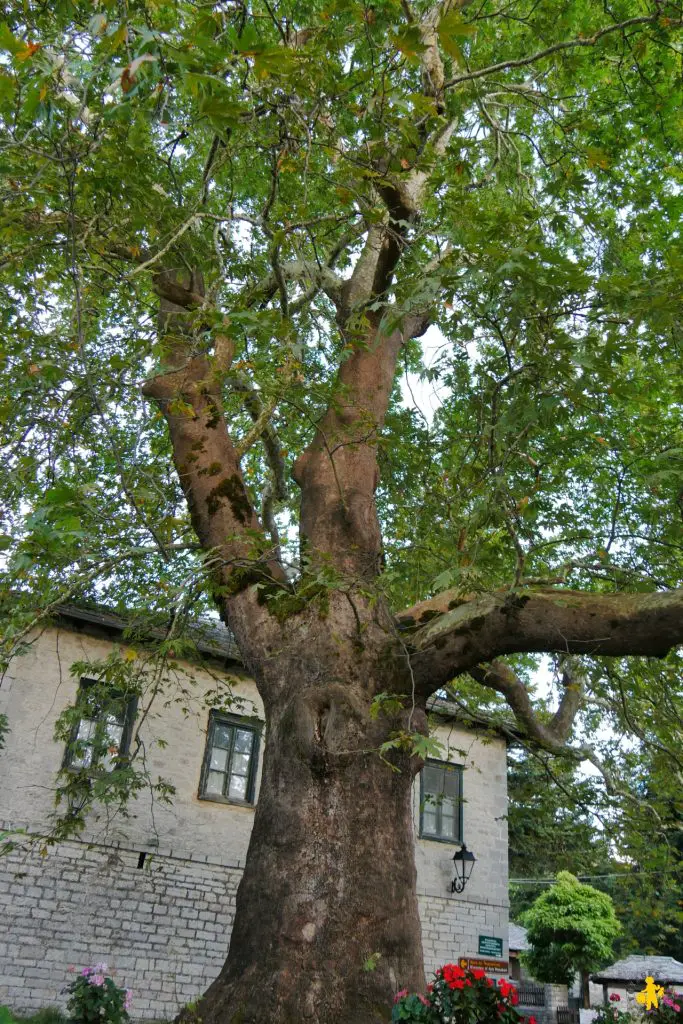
column 531, row 994
column 567, row 1015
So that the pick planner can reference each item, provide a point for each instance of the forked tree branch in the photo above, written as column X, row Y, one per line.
column 452, row 634
column 551, row 735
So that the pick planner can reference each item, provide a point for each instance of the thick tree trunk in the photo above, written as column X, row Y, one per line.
column 329, row 886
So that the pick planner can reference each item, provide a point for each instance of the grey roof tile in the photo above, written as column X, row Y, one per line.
column 664, row 969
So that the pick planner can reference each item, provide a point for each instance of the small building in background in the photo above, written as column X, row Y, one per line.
column 627, row 977
column 518, row 944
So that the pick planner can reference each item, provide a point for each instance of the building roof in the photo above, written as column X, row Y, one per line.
column 517, row 939
column 215, row 640
column 210, row 636
column 664, row 969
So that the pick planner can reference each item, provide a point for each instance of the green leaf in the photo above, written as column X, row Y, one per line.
column 8, row 41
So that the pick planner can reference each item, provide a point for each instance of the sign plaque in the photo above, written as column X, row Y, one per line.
column 490, row 966
column 490, row 946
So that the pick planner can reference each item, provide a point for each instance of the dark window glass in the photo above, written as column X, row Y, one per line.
column 441, row 801
column 103, row 731
column 230, row 761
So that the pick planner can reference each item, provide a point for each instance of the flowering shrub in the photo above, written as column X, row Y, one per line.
column 612, row 1014
column 460, row 996
column 95, row 998
column 669, row 1011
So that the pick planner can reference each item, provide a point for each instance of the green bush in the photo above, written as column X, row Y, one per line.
column 50, row 1015
column 612, row 1014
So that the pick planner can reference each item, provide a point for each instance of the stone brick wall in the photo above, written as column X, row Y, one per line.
column 163, row 928
column 451, row 927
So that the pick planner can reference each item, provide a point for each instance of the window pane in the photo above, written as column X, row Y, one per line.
column 82, row 756
column 429, row 820
column 243, row 741
column 114, row 733
column 218, row 759
column 238, row 787
column 240, row 764
column 432, row 779
column 441, row 794
column 214, row 783
column 451, row 782
column 222, row 735
column 86, row 729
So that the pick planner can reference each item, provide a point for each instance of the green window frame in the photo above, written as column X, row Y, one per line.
column 111, row 723
column 441, row 802
column 230, row 759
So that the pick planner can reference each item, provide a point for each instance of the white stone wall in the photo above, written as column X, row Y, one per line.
column 165, row 927
column 36, row 690
column 452, row 923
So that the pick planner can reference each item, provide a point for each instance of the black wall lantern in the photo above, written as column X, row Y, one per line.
column 464, row 861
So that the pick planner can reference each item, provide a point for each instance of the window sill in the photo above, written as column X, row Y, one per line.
column 211, row 799
column 439, row 839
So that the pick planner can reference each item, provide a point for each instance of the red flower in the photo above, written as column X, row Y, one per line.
column 532, row 1020
column 514, row 996
column 478, row 974
column 615, row 998
column 458, row 983
column 452, row 973
column 489, row 982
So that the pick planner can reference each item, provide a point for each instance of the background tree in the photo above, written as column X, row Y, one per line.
column 226, row 226
column 570, row 927
column 559, row 820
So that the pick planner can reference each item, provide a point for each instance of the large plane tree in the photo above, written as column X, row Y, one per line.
column 230, row 231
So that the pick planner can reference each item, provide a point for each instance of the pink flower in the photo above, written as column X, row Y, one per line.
column 422, row 999
column 71, row 968
column 400, row 995
column 677, row 1008
column 128, row 1001
column 97, row 979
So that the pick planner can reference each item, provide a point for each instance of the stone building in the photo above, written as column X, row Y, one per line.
column 153, row 894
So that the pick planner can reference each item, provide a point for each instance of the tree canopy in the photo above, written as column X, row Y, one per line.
column 560, row 820
column 236, row 235
column 571, row 927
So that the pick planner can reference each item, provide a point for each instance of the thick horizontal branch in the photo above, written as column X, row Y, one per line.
column 452, row 634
